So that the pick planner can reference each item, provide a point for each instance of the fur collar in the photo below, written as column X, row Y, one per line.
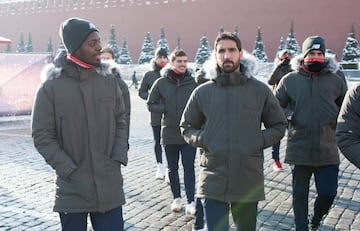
column 165, row 71
column 330, row 65
column 52, row 71
column 248, row 67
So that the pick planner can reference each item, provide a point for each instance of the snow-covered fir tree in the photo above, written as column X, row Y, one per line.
column 147, row 50
column 162, row 42
column 351, row 51
column 29, row 45
column 178, row 47
column 112, row 43
column 125, row 54
column 221, row 30
column 291, row 43
column 280, row 48
column 50, row 46
column 21, row 46
column 8, row 48
column 236, row 31
column 259, row 48
column 203, row 52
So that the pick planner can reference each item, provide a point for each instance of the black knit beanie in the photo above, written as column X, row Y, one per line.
column 313, row 43
column 161, row 52
column 74, row 31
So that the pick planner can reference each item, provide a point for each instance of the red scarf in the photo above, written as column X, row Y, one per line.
column 79, row 62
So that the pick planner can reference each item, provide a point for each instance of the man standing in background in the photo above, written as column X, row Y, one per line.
column 282, row 67
column 157, row 63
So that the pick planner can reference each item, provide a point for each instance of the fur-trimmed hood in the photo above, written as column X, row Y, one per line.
column 165, row 71
column 153, row 66
column 330, row 65
column 249, row 67
column 54, row 70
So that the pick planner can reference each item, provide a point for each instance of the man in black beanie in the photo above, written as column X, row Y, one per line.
column 79, row 127
column 157, row 63
column 311, row 97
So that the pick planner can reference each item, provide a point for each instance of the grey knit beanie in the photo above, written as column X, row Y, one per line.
column 74, row 31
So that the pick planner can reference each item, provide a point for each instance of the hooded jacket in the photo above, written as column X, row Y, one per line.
column 115, row 70
column 280, row 70
column 348, row 126
column 146, row 83
column 312, row 103
column 169, row 97
column 78, row 126
column 224, row 118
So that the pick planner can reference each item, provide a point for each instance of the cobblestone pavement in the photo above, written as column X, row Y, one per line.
column 27, row 186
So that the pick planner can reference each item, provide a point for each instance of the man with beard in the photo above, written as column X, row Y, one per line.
column 311, row 96
column 79, row 127
column 157, row 63
column 224, row 118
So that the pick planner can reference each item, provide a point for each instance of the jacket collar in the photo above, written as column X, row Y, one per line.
column 248, row 67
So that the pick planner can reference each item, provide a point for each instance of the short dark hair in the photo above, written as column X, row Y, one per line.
column 177, row 53
column 228, row 36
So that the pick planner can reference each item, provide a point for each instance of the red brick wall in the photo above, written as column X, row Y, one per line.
column 188, row 19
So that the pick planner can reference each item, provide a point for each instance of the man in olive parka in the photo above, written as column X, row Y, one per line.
column 311, row 96
column 79, row 127
column 224, row 118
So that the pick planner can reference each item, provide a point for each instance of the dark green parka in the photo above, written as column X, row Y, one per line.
column 78, row 126
column 168, row 97
column 311, row 103
column 146, row 83
column 232, row 118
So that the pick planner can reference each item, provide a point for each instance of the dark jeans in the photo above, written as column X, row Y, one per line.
column 109, row 221
column 187, row 159
column 326, row 183
column 217, row 215
column 275, row 151
column 157, row 148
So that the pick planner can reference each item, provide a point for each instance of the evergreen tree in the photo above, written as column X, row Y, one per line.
column 124, row 54
column 351, row 51
column 236, row 31
column 203, row 52
column 21, row 45
column 291, row 43
column 162, row 42
column 178, row 47
column 221, row 30
column 61, row 46
column 29, row 45
column 8, row 49
column 259, row 48
column 280, row 48
column 147, row 50
column 113, row 44
column 50, row 48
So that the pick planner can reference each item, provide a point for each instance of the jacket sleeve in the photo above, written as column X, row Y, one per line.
column 45, row 137
column 120, row 145
column 126, row 98
column 274, row 120
column 192, row 121
column 154, row 102
column 275, row 76
column 144, row 88
column 348, row 127
column 283, row 98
